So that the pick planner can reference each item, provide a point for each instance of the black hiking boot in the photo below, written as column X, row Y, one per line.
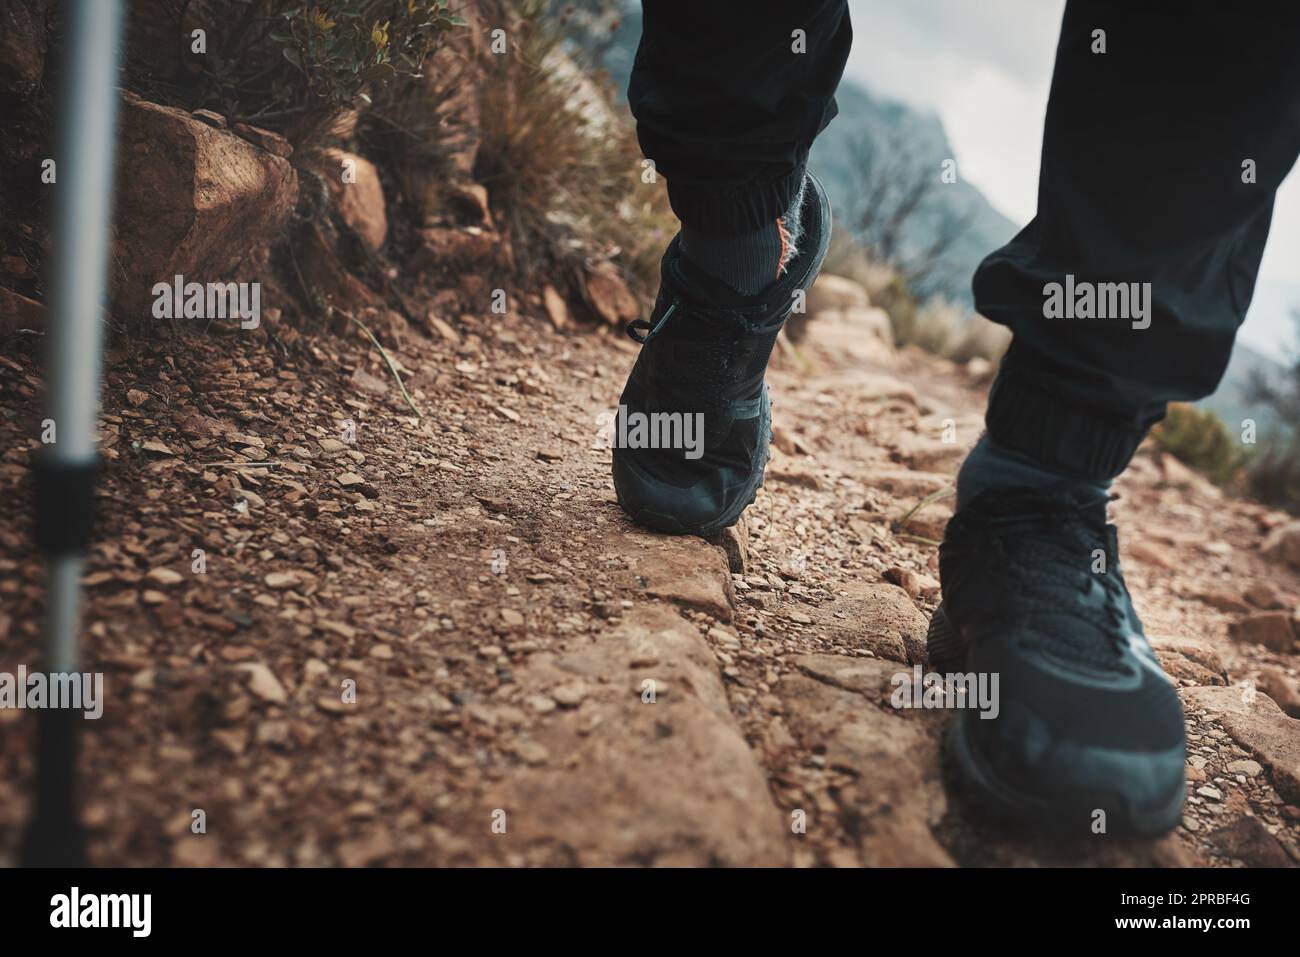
column 1088, row 734
column 695, row 419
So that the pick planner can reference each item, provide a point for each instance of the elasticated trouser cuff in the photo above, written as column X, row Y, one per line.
column 734, row 210
column 1065, row 438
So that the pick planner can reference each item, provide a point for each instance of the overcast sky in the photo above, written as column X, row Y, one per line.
column 985, row 68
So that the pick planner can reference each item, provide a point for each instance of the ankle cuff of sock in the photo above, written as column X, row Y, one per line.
column 735, row 210
column 1031, row 422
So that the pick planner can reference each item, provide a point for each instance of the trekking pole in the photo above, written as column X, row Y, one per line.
column 65, row 471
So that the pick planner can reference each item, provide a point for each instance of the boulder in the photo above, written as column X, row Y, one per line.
column 354, row 188
column 892, row 795
column 192, row 200
column 1283, row 544
column 1283, row 690
column 853, row 337
column 836, row 292
column 609, row 296
column 1272, row 629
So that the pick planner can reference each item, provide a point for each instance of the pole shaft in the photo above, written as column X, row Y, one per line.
column 88, row 126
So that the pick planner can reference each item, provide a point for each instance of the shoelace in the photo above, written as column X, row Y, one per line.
column 1051, row 557
column 714, row 366
column 642, row 331
column 636, row 326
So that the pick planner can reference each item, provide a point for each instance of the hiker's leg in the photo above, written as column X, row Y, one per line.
column 728, row 98
column 1161, row 157
column 1141, row 182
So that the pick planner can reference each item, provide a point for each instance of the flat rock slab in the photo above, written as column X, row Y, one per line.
column 897, row 794
column 683, row 570
column 878, row 617
column 1190, row 659
column 1259, row 726
column 630, row 781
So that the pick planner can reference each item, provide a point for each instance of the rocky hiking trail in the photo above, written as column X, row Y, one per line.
column 469, row 574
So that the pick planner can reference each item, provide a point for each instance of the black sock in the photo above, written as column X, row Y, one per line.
column 751, row 262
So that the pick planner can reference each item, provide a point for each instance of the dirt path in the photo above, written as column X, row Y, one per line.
column 439, row 641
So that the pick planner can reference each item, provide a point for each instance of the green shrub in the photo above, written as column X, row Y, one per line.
column 1198, row 438
column 561, row 162
column 277, row 63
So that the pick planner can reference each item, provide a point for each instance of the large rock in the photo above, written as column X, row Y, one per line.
column 856, row 336
column 354, row 187
column 1272, row 629
column 1283, row 544
column 609, row 297
column 836, row 292
column 193, row 200
column 667, row 782
column 828, row 295
column 1283, row 690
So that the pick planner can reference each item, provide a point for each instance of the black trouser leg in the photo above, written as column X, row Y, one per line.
column 728, row 99
column 1145, row 154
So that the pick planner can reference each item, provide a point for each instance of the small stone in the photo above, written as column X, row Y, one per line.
column 905, row 579
column 1212, row 793
column 530, row 752
column 1247, row 767
column 541, row 703
column 571, row 694
column 165, row 576
column 263, row 683
column 273, row 733
column 556, row 308
column 280, row 581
